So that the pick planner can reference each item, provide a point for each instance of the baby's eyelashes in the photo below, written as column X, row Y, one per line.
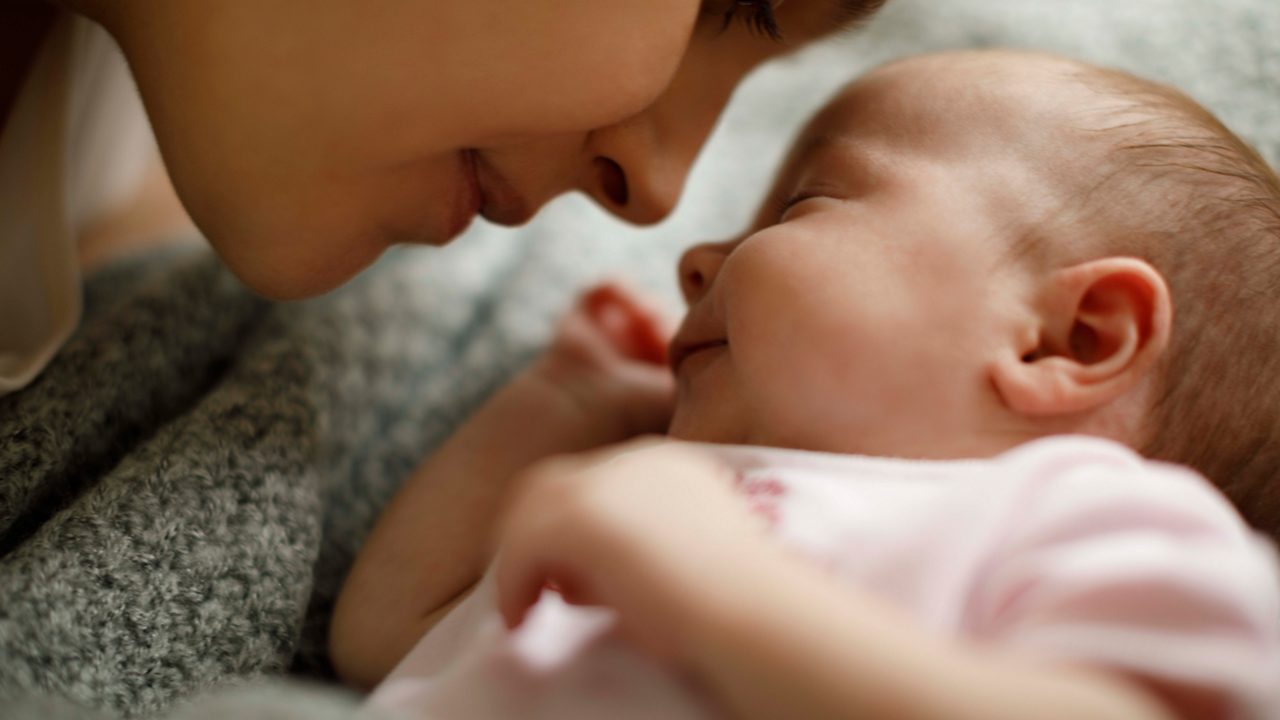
column 788, row 203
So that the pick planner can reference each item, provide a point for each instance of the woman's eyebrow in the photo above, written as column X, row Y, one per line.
column 849, row 14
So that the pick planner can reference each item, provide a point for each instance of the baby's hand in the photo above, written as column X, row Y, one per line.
column 652, row 529
column 608, row 361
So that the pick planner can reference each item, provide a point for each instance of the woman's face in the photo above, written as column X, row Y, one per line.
column 307, row 136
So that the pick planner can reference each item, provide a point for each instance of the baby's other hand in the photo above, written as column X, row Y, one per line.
column 608, row 360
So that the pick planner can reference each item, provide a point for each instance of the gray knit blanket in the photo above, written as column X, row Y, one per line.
column 183, row 489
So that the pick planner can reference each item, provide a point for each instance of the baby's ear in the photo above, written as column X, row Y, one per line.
column 1100, row 328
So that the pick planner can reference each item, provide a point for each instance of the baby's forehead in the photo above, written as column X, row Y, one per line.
column 1003, row 128
column 959, row 98
column 967, row 110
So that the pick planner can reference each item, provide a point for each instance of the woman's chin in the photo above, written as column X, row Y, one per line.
column 297, row 275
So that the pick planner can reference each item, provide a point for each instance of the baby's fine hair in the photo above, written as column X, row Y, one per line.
column 1182, row 192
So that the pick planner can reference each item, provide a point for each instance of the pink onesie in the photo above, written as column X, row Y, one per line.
column 1067, row 549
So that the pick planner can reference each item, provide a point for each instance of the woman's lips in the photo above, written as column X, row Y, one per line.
column 484, row 191
column 503, row 204
column 470, row 199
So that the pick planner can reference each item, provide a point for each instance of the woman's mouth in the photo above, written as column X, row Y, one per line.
column 502, row 204
column 470, row 198
column 484, row 191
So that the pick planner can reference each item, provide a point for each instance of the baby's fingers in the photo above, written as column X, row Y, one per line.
column 633, row 328
column 519, row 583
column 527, row 544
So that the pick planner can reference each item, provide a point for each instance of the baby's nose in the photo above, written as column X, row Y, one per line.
column 698, row 268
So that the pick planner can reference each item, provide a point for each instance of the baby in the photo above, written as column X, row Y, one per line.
column 919, row 385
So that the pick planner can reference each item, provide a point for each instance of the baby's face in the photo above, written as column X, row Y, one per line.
column 861, row 310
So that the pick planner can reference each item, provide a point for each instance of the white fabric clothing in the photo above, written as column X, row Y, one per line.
column 75, row 144
column 1066, row 549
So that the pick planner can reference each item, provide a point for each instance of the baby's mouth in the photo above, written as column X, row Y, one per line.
column 681, row 351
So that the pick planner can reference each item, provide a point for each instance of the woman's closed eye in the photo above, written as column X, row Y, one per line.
column 757, row 15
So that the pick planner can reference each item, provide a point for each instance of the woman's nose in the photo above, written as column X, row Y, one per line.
column 638, row 167
column 698, row 268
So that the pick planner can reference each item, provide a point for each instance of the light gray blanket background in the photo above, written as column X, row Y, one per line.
column 183, row 490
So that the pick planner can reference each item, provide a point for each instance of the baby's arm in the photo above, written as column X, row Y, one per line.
column 603, row 380
column 783, row 641
column 656, row 532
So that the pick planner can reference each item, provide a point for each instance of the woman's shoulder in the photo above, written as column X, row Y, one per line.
column 75, row 145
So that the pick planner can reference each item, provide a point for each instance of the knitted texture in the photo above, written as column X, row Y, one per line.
column 183, row 489
column 185, row 485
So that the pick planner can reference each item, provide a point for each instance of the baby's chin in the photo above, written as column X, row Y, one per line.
column 682, row 431
column 733, row 430
column 690, row 427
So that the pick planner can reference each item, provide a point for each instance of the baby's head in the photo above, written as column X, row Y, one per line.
column 967, row 251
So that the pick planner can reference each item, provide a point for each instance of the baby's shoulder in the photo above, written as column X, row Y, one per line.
column 1103, row 504
column 1110, row 482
